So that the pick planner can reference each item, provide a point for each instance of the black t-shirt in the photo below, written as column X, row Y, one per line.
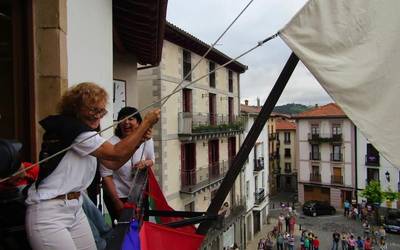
column 336, row 237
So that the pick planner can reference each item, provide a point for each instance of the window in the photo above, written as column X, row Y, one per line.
column 287, row 137
column 372, row 175
column 263, row 180
column 315, row 170
column 288, row 167
column 187, row 100
column 212, row 108
column 315, row 129
column 187, row 65
column 212, row 75
column 287, row 152
column 336, row 153
column 230, row 110
column 230, row 81
column 315, row 155
column 336, row 129
column 372, row 157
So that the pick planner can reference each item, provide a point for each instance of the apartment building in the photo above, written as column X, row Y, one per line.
column 255, row 175
column 198, row 133
column 371, row 165
column 274, row 154
column 286, row 155
column 325, row 157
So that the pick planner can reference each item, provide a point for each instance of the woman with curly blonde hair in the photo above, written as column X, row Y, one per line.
column 54, row 218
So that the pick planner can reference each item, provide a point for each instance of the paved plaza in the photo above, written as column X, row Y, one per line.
column 323, row 227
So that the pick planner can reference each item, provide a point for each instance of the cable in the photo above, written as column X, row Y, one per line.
column 260, row 43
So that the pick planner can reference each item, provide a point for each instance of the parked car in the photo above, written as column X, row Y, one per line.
column 392, row 221
column 314, row 208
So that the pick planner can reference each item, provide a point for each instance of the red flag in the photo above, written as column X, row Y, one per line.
column 154, row 236
column 158, row 202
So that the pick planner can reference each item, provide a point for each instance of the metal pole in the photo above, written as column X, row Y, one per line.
column 249, row 142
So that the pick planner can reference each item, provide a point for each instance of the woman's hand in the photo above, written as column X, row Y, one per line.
column 140, row 165
column 152, row 117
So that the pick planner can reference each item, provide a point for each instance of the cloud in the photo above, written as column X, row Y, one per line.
column 207, row 19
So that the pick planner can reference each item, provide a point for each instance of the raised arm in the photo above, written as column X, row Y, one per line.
column 114, row 156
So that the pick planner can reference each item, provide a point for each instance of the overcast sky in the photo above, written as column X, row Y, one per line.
column 207, row 19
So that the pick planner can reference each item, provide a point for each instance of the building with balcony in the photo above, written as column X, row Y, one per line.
column 371, row 166
column 198, row 134
column 286, row 136
column 255, row 179
column 274, row 154
column 325, row 155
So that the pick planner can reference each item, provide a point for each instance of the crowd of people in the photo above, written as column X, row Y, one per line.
column 283, row 232
column 349, row 241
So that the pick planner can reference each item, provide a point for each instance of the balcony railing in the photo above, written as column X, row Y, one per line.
column 337, row 179
column 288, row 170
column 194, row 179
column 286, row 141
column 200, row 123
column 259, row 164
column 259, row 196
column 324, row 137
column 336, row 157
column 288, row 155
column 315, row 177
column 316, row 156
column 372, row 160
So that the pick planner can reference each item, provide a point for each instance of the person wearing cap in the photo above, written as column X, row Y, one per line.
column 117, row 183
column 54, row 217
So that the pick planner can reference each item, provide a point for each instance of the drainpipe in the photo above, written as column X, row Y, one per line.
column 355, row 161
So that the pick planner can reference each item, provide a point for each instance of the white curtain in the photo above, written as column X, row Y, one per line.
column 352, row 47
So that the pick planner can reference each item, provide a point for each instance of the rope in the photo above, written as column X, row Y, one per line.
column 260, row 43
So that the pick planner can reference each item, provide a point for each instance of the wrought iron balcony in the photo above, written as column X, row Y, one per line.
column 337, row 157
column 195, row 179
column 321, row 138
column 372, row 160
column 288, row 170
column 316, row 156
column 315, row 177
column 206, row 123
column 259, row 164
column 259, row 196
column 337, row 179
column 288, row 155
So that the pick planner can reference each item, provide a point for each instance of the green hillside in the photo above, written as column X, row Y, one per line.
column 291, row 108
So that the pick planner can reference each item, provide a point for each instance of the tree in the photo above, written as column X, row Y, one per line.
column 373, row 193
column 391, row 196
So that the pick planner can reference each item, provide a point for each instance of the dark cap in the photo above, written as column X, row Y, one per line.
column 9, row 159
column 126, row 111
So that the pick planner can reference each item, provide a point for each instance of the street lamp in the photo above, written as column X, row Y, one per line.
column 387, row 174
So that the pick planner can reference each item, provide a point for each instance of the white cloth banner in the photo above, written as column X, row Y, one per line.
column 352, row 47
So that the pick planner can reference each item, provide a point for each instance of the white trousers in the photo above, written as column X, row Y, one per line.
column 58, row 224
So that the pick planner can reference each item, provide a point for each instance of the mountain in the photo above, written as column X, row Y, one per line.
column 291, row 108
